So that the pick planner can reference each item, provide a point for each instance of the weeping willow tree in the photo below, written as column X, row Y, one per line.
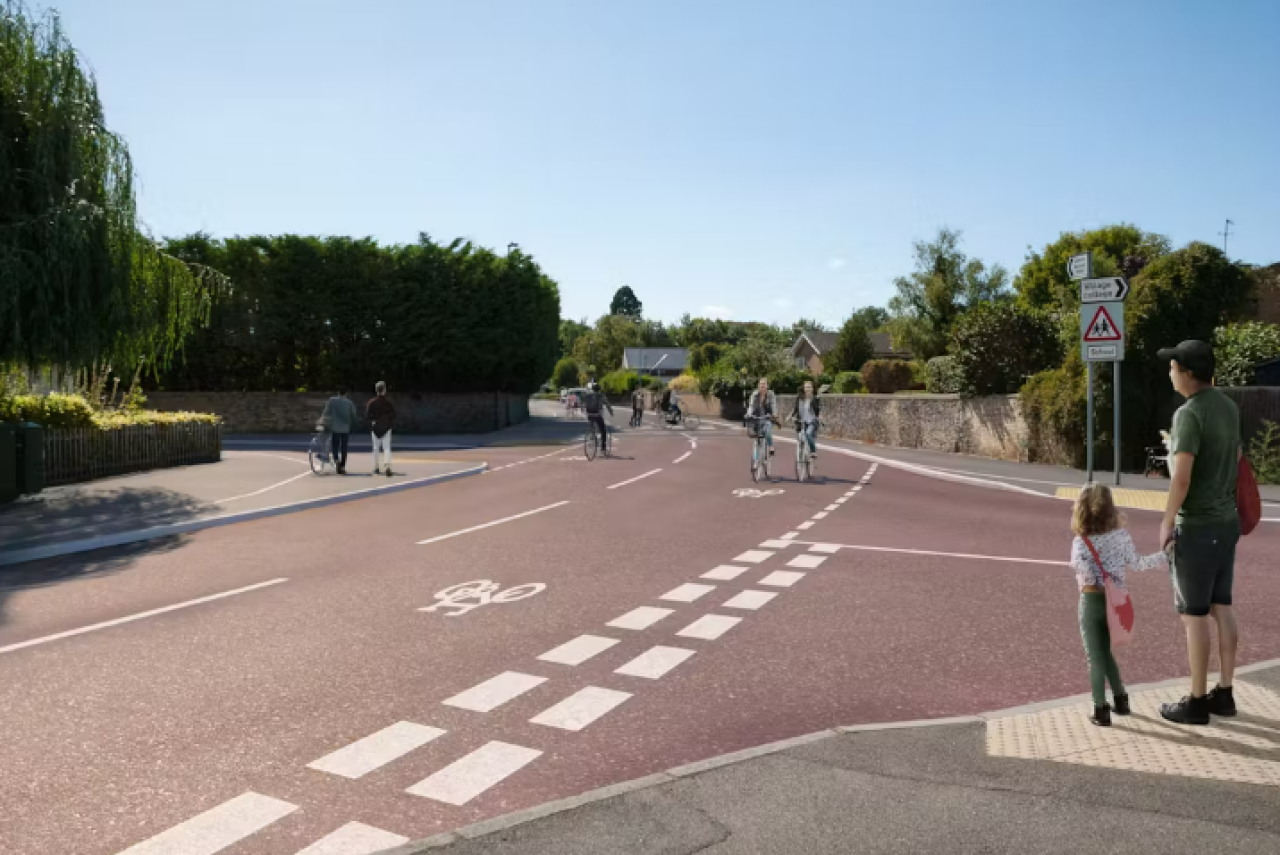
column 81, row 281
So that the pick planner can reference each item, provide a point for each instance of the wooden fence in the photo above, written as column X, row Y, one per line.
column 82, row 454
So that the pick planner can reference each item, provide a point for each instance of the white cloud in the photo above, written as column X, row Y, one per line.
column 835, row 263
column 717, row 311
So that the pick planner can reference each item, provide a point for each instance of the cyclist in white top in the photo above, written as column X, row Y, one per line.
column 764, row 404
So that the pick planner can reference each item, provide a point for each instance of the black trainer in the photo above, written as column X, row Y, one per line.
column 1221, row 701
column 1122, row 705
column 1101, row 716
column 1189, row 710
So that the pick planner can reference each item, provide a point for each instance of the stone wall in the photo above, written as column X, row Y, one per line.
column 297, row 412
column 987, row 427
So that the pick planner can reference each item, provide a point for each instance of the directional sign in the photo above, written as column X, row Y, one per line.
column 1102, row 332
column 1080, row 266
column 1104, row 290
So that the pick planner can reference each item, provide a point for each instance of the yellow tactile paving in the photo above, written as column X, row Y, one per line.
column 1149, row 500
column 1245, row 749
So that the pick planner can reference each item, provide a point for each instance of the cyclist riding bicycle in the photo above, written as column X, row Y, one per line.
column 804, row 417
column 764, row 405
column 592, row 400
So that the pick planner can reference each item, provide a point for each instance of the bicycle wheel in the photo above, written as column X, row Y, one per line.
column 767, row 465
column 757, row 464
column 519, row 592
column 318, row 456
column 802, row 463
column 606, row 443
column 691, row 422
column 589, row 444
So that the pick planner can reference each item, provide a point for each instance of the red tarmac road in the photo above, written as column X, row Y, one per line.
column 130, row 733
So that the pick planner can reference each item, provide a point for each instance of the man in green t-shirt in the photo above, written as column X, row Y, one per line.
column 1202, row 524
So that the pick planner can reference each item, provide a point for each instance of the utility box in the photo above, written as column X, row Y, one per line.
column 30, row 458
column 8, row 463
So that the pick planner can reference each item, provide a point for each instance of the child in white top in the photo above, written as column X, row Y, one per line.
column 1097, row 518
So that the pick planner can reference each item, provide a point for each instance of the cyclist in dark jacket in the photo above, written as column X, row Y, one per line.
column 593, row 400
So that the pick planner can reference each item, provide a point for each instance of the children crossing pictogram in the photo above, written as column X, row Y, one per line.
column 1102, row 327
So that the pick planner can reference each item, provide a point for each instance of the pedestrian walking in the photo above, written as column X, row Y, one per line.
column 637, row 407
column 340, row 414
column 1202, row 523
column 1102, row 549
column 380, row 413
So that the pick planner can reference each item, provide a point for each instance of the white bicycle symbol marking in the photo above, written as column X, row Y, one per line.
column 483, row 592
column 751, row 493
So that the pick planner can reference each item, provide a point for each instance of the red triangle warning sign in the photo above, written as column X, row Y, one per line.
column 1102, row 327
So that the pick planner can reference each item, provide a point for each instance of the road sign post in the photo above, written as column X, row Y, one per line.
column 1102, row 336
column 1080, row 266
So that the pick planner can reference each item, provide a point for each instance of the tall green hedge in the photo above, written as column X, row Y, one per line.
column 319, row 313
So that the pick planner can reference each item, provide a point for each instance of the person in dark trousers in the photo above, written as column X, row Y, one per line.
column 380, row 413
column 1202, row 525
column 637, row 407
column 341, row 416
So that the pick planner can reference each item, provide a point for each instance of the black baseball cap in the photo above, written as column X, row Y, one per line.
column 1194, row 356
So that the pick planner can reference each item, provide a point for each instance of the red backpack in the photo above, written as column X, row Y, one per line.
column 1248, row 501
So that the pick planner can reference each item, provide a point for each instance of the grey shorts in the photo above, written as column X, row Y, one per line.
column 1203, row 566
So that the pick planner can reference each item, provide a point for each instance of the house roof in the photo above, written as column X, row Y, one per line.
column 821, row 342
column 882, row 343
column 643, row 358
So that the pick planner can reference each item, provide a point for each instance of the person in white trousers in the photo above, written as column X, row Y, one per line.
column 380, row 413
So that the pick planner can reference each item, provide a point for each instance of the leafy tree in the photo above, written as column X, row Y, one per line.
column 997, row 346
column 886, row 376
column 848, row 383
column 853, row 347
column 565, row 375
column 626, row 303
column 570, row 332
column 616, row 384
column 760, row 355
column 872, row 317
column 804, row 325
column 655, row 334
column 604, row 345
column 946, row 283
column 943, row 376
column 80, row 280
column 1119, row 250
column 1240, row 347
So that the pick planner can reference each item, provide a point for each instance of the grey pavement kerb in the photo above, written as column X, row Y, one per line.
column 54, row 550
column 513, row 820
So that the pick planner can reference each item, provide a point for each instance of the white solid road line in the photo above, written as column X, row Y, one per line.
column 711, row 627
column 725, row 573
column 655, row 662
column 216, row 829
column 681, row 457
column 581, row 708
column 578, row 650
column 687, row 593
column 490, row 524
column 949, row 554
column 750, row 600
column 806, row 562
column 376, row 750
column 141, row 615
column 494, row 692
column 641, row 618
column 781, row 579
column 754, row 556
column 355, row 838
column 469, row 776
column 263, row 490
column 633, row 480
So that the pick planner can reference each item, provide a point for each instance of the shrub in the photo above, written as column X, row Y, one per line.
column 942, row 376
column 55, row 410
column 618, row 384
column 705, row 355
column 1053, row 406
column 113, row 419
column 787, row 381
column 1264, row 453
column 824, row 379
column 886, row 376
column 685, row 384
column 997, row 346
column 848, row 383
column 565, row 374
column 919, row 376
column 1239, row 347
column 853, row 346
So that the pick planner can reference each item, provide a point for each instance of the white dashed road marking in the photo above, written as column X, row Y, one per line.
column 775, row 544
column 781, row 579
column 725, row 573
column 687, row 592
column 490, row 524
column 828, row 548
column 791, row 535
column 633, row 480
column 805, row 526
column 655, row 662
column 806, row 562
column 681, row 457
column 581, row 708
column 820, row 515
column 378, row 749
column 641, row 618
column 578, row 650
column 750, row 600
column 710, row 627
column 495, row 691
column 830, row 508
column 354, row 838
column 754, row 556
column 469, row 776
column 216, row 829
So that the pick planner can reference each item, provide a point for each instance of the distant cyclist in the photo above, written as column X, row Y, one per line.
column 637, row 407
column 804, row 417
column 764, row 405
column 673, row 407
column 592, row 401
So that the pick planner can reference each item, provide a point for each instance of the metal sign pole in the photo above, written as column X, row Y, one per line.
column 1089, row 418
column 1116, row 439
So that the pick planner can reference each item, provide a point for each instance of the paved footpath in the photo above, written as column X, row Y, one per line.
column 308, row 684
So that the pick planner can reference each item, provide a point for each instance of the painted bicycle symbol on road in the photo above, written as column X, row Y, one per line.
column 752, row 493
column 466, row 596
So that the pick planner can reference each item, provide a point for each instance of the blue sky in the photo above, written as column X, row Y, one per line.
column 742, row 159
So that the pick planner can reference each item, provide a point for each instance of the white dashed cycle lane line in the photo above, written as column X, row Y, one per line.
column 475, row 773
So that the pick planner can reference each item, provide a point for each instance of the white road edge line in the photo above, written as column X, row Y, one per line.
column 107, row 624
column 945, row 554
column 681, row 457
column 489, row 524
column 263, row 490
column 633, row 480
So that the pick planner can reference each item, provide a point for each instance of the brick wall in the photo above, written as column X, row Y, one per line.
column 297, row 412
